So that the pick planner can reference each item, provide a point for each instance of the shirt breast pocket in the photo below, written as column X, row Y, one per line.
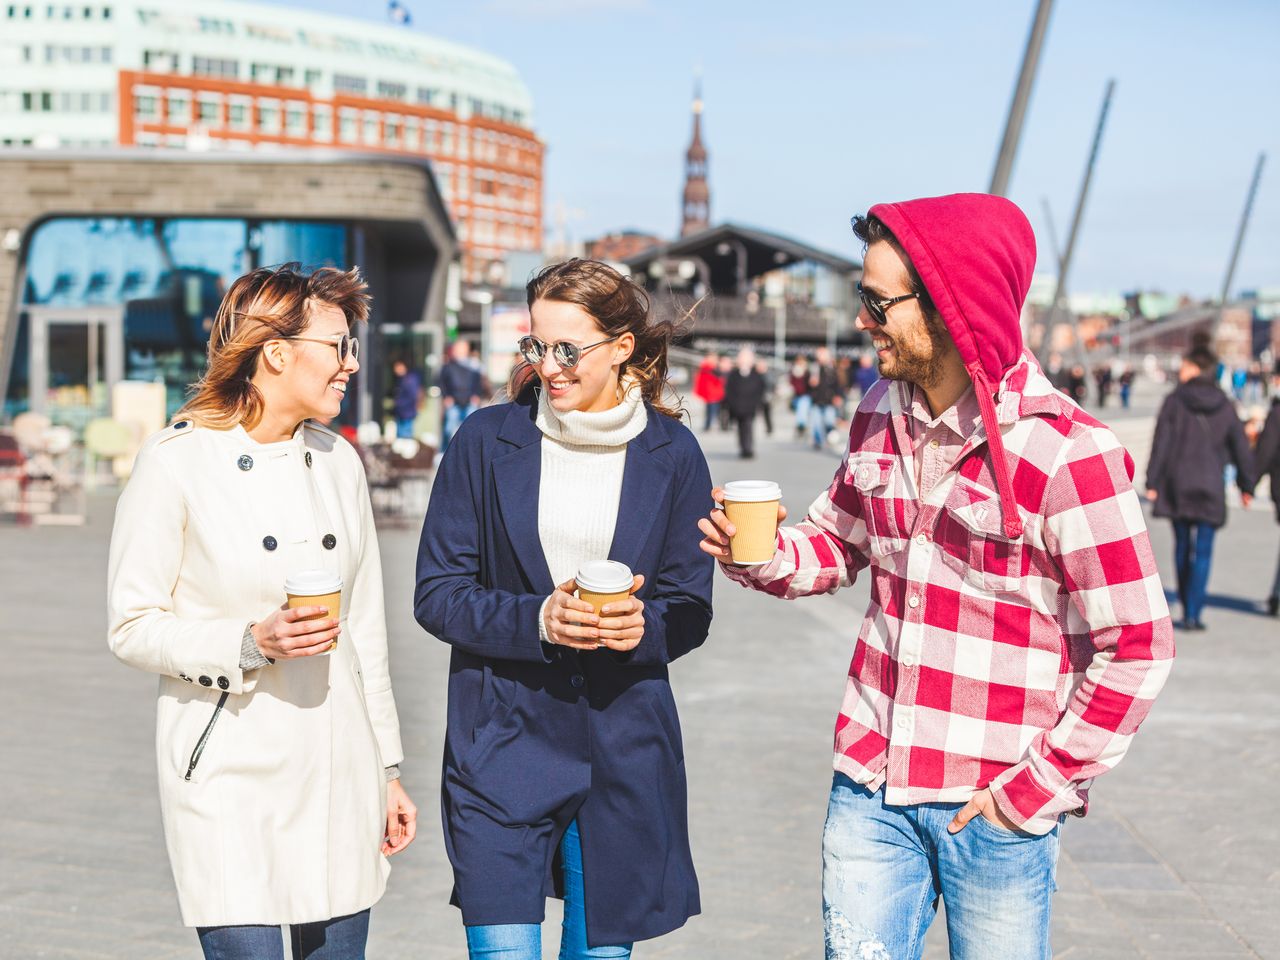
column 970, row 535
column 876, row 477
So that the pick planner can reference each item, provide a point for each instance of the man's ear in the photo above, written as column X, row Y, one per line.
column 276, row 355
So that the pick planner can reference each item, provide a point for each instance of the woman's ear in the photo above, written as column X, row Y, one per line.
column 275, row 355
column 623, row 348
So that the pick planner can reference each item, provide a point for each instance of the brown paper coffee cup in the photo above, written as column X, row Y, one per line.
column 604, row 581
column 315, row 588
column 752, row 508
column 599, row 600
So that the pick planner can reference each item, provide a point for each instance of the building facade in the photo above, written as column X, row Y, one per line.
column 229, row 76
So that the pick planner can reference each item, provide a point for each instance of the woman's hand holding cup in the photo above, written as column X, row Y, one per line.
column 717, row 529
column 571, row 622
column 286, row 634
column 622, row 623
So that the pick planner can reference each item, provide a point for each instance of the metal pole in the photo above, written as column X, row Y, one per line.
column 1240, row 232
column 780, row 333
column 1053, row 234
column 1065, row 264
column 1021, row 97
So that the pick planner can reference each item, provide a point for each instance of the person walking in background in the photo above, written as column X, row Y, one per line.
column 800, row 400
column 1017, row 633
column 1102, row 377
column 1127, row 376
column 461, row 389
column 564, row 772
column 708, row 386
column 407, row 398
column 823, row 393
column 1268, row 464
column 277, row 736
column 744, row 392
column 1078, row 385
column 765, row 369
column 726, row 368
column 866, row 374
column 1197, row 435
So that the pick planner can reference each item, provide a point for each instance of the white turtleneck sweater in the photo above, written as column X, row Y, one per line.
column 583, row 457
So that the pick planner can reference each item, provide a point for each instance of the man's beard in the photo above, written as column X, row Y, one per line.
column 915, row 366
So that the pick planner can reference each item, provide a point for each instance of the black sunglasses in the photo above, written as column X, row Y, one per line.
column 344, row 343
column 877, row 307
column 567, row 355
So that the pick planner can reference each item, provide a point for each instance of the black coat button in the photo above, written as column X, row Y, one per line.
column 223, row 683
column 181, row 425
column 269, row 543
column 308, row 458
column 577, row 680
column 206, row 682
column 245, row 462
column 329, row 541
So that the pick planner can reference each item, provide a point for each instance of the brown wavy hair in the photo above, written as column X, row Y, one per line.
column 618, row 305
column 271, row 303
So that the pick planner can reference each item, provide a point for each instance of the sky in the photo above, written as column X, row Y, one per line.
column 816, row 110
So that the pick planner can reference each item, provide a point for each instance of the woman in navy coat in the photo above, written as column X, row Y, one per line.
column 563, row 763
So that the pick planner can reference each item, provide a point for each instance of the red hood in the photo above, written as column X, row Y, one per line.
column 975, row 254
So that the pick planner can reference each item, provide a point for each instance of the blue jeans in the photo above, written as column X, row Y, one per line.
column 821, row 420
column 1193, row 555
column 342, row 938
column 713, row 414
column 404, row 429
column 801, row 406
column 883, row 869
column 523, row 941
column 453, row 417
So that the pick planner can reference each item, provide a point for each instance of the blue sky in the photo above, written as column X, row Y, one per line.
column 816, row 110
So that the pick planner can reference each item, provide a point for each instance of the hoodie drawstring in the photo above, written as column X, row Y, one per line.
column 999, row 460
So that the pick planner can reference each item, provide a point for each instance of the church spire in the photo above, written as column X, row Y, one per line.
column 696, row 214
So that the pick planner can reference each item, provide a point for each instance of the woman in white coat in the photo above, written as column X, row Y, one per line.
column 276, row 737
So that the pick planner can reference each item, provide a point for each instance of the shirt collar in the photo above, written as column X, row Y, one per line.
column 961, row 418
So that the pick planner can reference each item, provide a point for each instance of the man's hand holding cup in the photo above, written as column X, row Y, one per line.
column 720, row 534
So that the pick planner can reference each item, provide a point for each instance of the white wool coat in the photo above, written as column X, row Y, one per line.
column 272, row 782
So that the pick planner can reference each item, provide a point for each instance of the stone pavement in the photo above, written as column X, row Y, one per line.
column 1177, row 858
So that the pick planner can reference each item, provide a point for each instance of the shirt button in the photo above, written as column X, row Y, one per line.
column 922, row 539
column 934, row 444
column 908, row 660
column 903, row 722
column 913, row 602
column 577, row 680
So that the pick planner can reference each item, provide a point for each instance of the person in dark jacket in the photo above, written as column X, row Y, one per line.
column 824, row 391
column 406, row 399
column 1268, row 461
column 1197, row 435
column 461, row 389
column 744, row 392
column 563, row 763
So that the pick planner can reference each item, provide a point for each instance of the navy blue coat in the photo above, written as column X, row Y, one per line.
column 539, row 734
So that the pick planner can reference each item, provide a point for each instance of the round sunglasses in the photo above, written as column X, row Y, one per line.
column 566, row 355
column 344, row 343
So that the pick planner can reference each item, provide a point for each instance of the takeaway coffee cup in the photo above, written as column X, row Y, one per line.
column 752, row 508
column 604, row 581
column 315, row 588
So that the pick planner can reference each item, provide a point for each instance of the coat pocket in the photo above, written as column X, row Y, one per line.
column 876, row 477
column 971, row 538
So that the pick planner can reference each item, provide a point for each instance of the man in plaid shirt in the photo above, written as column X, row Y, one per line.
column 1017, row 633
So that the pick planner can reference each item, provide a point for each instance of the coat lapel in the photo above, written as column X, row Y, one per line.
column 518, row 477
column 645, row 479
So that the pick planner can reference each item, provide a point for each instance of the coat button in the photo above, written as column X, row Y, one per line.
column 577, row 680
column 206, row 682
column 269, row 543
column 329, row 541
column 245, row 462
column 308, row 458
column 223, row 683
column 181, row 425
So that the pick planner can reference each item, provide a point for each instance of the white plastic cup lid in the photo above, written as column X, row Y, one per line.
column 605, row 576
column 752, row 491
column 312, row 583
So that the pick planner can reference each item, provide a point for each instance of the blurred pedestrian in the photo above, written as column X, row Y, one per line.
column 563, row 766
column 1127, row 376
column 1057, row 372
column 1016, row 634
column 867, row 374
column 800, row 400
column 726, row 368
column 407, row 398
column 461, row 389
column 743, row 394
column 277, row 737
column 824, row 391
column 1197, row 435
column 1268, row 463
column 708, row 386
column 1103, row 378
column 765, row 369
column 1078, row 385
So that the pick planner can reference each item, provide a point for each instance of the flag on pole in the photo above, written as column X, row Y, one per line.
column 398, row 13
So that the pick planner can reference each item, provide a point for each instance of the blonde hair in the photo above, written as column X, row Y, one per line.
column 618, row 305
column 271, row 303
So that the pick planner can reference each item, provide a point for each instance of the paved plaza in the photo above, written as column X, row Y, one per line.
column 1178, row 857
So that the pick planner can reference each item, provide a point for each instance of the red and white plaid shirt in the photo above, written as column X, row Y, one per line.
column 1021, row 665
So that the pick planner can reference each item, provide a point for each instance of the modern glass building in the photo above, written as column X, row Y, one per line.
column 241, row 77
